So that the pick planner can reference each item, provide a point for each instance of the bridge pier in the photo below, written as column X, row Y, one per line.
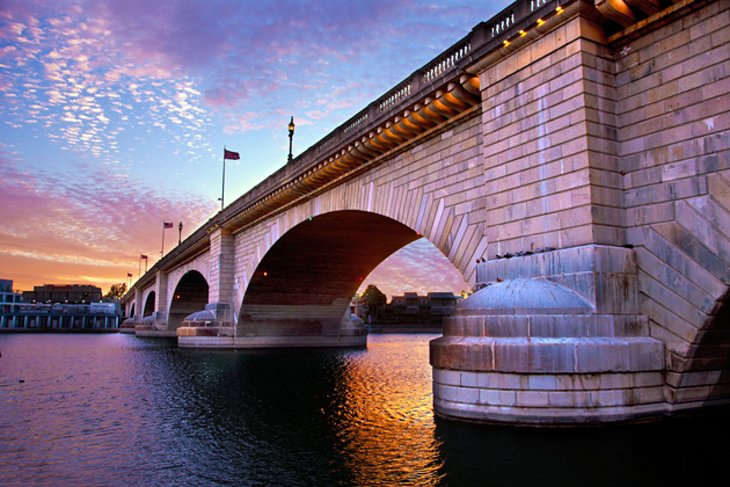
column 549, row 339
column 154, row 326
column 282, row 327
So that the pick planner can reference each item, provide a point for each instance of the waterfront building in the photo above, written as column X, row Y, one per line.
column 9, row 300
column 412, row 308
column 63, row 293
column 57, row 307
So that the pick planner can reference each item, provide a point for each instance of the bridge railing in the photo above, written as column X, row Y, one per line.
column 446, row 67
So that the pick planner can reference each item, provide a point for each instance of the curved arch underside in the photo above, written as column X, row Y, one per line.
column 304, row 284
column 149, row 305
column 191, row 295
column 709, row 356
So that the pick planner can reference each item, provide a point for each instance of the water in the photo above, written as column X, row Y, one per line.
column 119, row 410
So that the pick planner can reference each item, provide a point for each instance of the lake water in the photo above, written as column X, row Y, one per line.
column 119, row 410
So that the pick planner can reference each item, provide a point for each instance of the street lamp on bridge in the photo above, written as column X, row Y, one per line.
column 179, row 233
column 291, row 136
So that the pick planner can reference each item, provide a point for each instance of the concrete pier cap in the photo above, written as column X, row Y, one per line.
column 214, row 320
column 534, row 352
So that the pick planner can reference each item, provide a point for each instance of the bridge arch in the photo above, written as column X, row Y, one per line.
column 149, row 304
column 304, row 283
column 190, row 295
column 704, row 375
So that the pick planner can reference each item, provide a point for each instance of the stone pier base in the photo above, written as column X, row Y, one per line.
column 565, row 347
column 229, row 342
column 206, row 329
column 550, row 399
column 151, row 331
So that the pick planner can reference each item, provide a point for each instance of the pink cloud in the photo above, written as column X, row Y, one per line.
column 90, row 222
column 419, row 267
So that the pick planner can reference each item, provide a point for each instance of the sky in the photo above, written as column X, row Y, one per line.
column 114, row 115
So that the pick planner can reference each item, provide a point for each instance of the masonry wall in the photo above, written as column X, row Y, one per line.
column 625, row 142
column 673, row 108
column 550, row 167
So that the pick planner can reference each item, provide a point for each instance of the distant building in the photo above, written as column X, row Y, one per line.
column 412, row 308
column 9, row 300
column 63, row 293
column 57, row 307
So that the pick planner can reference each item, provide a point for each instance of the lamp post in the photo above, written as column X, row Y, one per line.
column 179, row 233
column 291, row 136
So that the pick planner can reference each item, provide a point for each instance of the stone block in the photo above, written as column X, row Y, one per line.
column 648, row 395
column 607, row 398
column 569, row 399
column 507, row 398
column 531, row 398
column 616, row 381
column 537, row 355
column 506, row 326
column 645, row 353
column 469, row 379
column 602, row 355
column 542, row 382
column 486, row 380
column 447, row 377
column 448, row 393
column 648, row 379
column 490, row 397
column 508, row 381
column 468, row 395
column 687, row 394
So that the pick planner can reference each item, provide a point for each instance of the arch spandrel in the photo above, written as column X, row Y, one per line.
column 310, row 274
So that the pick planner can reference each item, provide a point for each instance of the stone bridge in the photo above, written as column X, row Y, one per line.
column 571, row 159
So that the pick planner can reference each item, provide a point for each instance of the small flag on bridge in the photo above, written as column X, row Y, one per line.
column 143, row 257
column 167, row 225
column 229, row 154
column 129, row 274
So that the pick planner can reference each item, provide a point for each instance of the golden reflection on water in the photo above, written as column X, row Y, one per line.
column 384, row 415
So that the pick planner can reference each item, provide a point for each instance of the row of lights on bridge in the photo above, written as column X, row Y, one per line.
column 522, row 33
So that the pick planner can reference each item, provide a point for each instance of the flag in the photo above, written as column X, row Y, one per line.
column 167, row 225
column 129, row 274
column 143, row 257
column 229, row 154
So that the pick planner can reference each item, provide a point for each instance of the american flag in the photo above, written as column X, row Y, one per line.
column 229, row 154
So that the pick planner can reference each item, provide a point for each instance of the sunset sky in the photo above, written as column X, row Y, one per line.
column 114, row 114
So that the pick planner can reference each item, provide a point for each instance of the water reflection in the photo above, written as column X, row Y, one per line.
column 382, row 413
column 117, row 410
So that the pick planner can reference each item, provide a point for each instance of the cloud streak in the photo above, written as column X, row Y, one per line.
column 419, row 267
column 91, row 222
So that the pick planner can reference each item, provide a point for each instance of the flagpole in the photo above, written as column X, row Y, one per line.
column 223, row 183
column 162, row 249
column 139, row 267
